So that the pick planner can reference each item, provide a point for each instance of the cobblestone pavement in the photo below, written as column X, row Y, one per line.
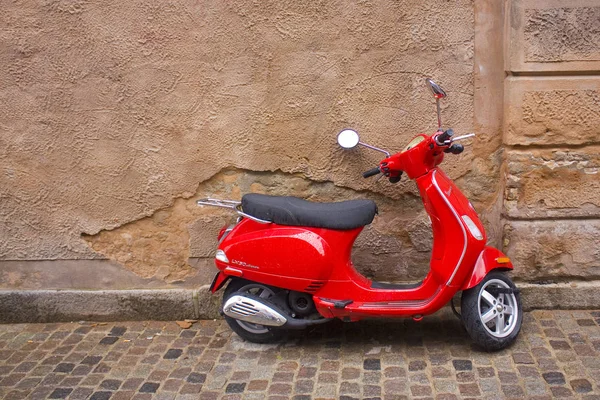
column 557, row 355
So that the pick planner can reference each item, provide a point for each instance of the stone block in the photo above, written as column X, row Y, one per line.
column 552, row 110
column 560, row 183
column 554, row 250
column 553, row 35
column 560, row 296
column 106, row 305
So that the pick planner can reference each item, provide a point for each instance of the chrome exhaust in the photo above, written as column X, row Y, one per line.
column 254, row 311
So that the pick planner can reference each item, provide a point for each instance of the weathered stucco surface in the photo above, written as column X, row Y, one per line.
column 115, row 117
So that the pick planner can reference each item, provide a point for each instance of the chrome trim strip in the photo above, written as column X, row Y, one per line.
column 227, row 231
column 401, row 303
column 459, row 222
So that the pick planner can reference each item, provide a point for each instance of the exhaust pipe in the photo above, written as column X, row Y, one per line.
column 253, row 309
column 250, row 310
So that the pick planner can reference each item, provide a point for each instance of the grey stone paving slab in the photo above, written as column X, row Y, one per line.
column 557, row 355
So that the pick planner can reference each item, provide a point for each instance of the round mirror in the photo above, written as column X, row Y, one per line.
column 348, row 138
column 437, row 91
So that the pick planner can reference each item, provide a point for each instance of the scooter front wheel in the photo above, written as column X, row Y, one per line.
column 491, row 312
column 255, row 333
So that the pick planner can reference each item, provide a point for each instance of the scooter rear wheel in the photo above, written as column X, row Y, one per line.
column 255, row 333
column 491, row 312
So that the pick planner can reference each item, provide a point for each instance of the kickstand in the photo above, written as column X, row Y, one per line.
column 454, row 308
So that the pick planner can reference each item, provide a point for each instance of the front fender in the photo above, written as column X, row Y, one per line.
column 490, row 258
column 218, row 281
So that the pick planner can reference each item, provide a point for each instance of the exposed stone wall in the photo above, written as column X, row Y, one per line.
column 395, row 244
column 552, row 138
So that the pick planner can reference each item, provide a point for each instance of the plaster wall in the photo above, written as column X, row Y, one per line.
column 115, row 117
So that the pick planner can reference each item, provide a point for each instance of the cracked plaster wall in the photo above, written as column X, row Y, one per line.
column 116, row 116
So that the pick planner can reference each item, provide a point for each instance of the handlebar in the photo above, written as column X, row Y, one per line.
column 443, row 137
column 455, row 149
column 371, row 172
column 391, row 167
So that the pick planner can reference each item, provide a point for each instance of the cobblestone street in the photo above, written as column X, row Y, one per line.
column 557, row 355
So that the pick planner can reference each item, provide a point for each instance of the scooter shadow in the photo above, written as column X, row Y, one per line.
column 440, row 328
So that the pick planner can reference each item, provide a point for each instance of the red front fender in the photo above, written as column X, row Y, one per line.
column 218, row 281
column 489, row 259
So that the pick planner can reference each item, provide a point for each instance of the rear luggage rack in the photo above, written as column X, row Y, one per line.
column 231, row 204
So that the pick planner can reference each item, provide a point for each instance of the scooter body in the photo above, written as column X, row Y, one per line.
column 295, row 270
column 318, row 260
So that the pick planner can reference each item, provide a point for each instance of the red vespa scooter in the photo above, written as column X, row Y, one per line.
column 288, row 263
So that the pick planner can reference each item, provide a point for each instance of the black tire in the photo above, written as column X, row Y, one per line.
column 502, row 326
column 251, row 332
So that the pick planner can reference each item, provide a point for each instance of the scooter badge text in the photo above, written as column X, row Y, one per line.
column 243, row 264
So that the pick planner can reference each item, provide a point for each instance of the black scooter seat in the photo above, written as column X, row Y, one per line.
column 284, row 210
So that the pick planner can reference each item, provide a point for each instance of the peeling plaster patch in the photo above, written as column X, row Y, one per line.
column 152, row 247
column 159, row 246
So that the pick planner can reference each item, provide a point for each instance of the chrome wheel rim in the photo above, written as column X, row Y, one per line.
column 498, row 313
column 264, row 293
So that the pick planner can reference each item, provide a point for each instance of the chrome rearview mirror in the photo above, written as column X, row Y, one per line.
column 348, row 138
column 438, row 93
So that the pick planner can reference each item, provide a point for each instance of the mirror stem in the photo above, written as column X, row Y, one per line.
column 437, row 103
column 375, row 148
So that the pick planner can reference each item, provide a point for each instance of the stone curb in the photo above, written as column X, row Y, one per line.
column 17, row 306
column 560, row 296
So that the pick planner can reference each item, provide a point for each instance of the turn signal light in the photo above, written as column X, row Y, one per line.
column 221, row 232
column 502, row 260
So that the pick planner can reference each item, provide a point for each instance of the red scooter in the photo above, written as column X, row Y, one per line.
column 288, row 263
